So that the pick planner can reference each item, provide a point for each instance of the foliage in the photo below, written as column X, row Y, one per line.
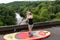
column 7, row 15
column 42, row 11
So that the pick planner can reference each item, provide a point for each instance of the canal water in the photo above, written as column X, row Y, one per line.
column 55, row 33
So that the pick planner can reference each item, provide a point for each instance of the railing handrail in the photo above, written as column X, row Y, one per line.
column 37, row 24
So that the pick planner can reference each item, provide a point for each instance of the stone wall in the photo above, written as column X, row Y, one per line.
column 38, row 24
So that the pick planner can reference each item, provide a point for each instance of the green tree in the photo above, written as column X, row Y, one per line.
column 7, row 15
column 58, row 15
column 44, row 14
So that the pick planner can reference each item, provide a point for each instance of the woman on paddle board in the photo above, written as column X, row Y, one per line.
column 29, row 18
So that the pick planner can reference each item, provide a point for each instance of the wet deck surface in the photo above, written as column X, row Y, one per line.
column 55, row 33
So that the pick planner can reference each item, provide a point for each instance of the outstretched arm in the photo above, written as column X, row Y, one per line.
column 25, row 19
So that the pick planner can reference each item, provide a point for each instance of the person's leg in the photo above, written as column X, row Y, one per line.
column 31, row 27
column 30, row 30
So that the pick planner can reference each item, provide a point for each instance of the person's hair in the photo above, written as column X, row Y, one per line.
column 28, row 12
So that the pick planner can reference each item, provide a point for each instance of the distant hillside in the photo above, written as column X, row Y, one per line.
column 22, row 7
column 42, row 11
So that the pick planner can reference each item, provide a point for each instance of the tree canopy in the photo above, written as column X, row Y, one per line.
column 41, row 10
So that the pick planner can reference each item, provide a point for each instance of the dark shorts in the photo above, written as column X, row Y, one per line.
column 30, row 21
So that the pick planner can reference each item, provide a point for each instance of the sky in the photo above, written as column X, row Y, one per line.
column 8, row 1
